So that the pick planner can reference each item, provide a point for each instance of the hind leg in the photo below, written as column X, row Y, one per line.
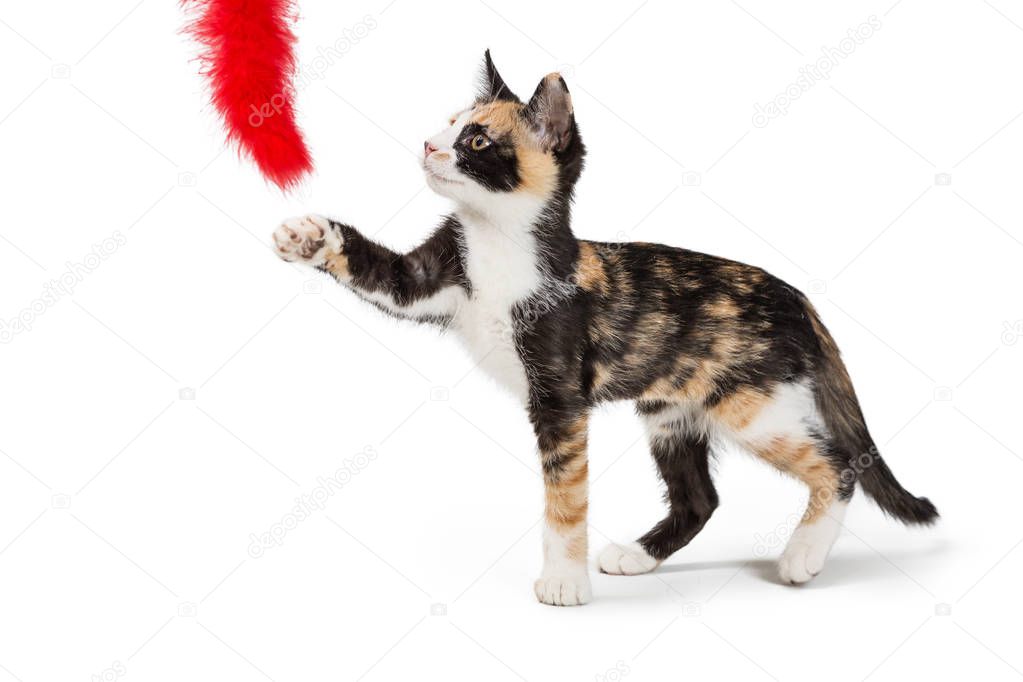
column 810, row 544
column 782, row 427
column 683, row 462
column 808, row 458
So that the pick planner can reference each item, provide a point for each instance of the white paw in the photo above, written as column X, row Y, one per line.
column 310, row 239
column 564, row 590
column 630, row 559
column 799, row 563
column 810, row 545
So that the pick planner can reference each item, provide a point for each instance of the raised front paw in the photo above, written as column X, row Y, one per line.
column 311, row 240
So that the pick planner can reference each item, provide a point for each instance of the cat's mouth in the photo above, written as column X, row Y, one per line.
column 433, row 175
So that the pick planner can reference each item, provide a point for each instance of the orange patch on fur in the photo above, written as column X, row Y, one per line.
column 567, row 498
column 589, row 269
column 337, row 263
column 740, row 408
column 805, row 461
column 723, row 308
column 701, row 383
column 538, row 174
column 601, row 376
column 567, row 492
column 500, row 117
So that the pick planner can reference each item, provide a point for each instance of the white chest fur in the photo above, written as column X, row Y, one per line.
column 501, row 263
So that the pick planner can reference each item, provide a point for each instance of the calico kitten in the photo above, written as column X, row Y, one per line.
column 709, row 349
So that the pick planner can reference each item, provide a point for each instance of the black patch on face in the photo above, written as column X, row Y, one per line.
column 496, row 167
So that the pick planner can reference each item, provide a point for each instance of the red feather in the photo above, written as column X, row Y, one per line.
column 249, row 60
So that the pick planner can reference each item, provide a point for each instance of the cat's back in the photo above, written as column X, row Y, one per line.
column 691, row 301
column 667, row 273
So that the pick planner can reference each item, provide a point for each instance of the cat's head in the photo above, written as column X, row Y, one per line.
column 502, row 149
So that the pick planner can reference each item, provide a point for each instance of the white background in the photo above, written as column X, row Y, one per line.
column 127, row 511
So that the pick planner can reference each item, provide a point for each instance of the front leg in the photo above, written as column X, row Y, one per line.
column 427, row 284
column 561, row 435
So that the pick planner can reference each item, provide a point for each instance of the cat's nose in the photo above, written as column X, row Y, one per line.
column 428, row 148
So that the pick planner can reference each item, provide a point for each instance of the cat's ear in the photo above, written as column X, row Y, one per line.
column 550, row 112
column 492, row 86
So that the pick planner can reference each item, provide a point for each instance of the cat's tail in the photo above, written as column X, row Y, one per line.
column 836, row 400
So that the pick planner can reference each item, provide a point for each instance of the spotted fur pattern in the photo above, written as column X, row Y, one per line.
column 710, row 350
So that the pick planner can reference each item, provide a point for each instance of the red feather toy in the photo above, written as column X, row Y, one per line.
column 249, row 60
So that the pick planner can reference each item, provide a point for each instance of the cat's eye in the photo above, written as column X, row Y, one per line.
column 479, row 142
